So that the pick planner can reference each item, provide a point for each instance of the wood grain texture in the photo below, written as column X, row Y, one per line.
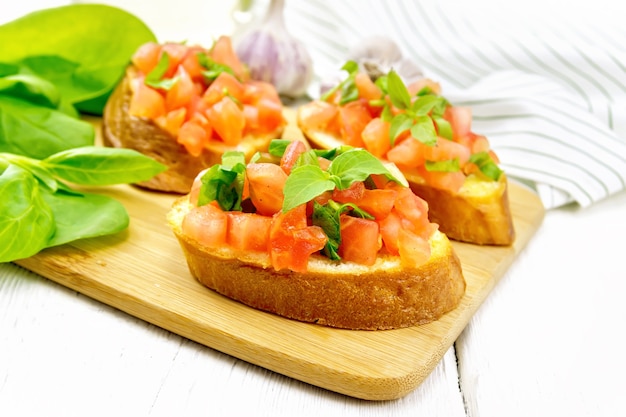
column 142, row 272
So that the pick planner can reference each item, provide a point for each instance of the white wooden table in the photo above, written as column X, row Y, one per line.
column 546, row 342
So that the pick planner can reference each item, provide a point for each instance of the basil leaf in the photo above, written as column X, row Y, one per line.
column 399, row 124
column 327, row 217
column 214, row 69
column 304, row 184
column 349, row 92
column 425, row 104
column 451, row 165
column 80, row 216
column 486, row 165
column 94, row 165
column 444, row 128
column 277, row 147
column 155, row 78
column 224, row 183
column 80, row 34
column 355, row 165
column 398, row 92
column 37, row 131
column 26, row 221
column 424, row 131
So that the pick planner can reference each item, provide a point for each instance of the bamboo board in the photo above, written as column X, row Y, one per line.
column 142, row 271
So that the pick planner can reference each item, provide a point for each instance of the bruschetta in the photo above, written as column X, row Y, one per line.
column 430, row 140
column 330, row 237
column 186, row 105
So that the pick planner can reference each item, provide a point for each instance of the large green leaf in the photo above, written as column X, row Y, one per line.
column 89, row 45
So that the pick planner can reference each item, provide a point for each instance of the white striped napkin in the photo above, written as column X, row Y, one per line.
column 546, row 80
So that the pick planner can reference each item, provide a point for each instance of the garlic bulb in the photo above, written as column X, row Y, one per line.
column 274, row 56
column 377, row 55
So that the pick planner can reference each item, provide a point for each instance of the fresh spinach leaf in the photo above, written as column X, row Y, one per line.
column 80, row 34
column 80, row 216
column 26, row 221
column 38, row 131
column 31, row 88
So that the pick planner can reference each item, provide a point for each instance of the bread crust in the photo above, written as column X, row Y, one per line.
column 479, row 213
column 349, row 296
column 121, row 130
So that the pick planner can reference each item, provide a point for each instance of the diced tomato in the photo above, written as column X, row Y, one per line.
column 292, row 152
column 414, row 250
column 176, row 53
column 206, row 224
column 445, row 150
column 377, row 203
column 195, row 188
column 180, row 93
column 452, row 181
column 360, row 240
column 375, row 136
column 319, row 115
column 270, row 115
column 193, row 137
column 367, row 89
column 460, row 119
column 480, row 144
column 192, row 65
column 390, row 227
column 255, row 90
column 227, row 120
column 292, row 242
column 172, row 121
column 251, row 114
column 407, row 153
column 248, row 231
column 350, row 194
column 266, row 182
column 223, row 53
column 353, row 117
column 146, row 57
column 418, row 85
column 414, row 209
column 224, row 85
column 145, row 101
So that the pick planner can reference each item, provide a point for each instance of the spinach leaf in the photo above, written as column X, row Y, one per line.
column 26, row 221
column 30, row 88
column 38, row 131
column 80, row 216
column 81, row 35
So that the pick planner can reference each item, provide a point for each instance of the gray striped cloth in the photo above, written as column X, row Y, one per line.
column 546, row 80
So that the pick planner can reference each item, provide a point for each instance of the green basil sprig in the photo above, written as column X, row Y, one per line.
column 327, row 216
column 308, row 181
column 224, row 182
column 41, row 210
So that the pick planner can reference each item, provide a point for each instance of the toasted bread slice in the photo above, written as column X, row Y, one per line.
column 343, row 295
column 121, row 130
column 479, row 213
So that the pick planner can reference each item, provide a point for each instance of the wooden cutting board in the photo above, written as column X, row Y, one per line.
column 142, row 271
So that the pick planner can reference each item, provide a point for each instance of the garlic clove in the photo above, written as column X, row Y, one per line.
column 274, row 56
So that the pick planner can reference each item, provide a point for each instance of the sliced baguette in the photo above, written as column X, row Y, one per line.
column 343, row 295
column 479, row 213
column 121, row 130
